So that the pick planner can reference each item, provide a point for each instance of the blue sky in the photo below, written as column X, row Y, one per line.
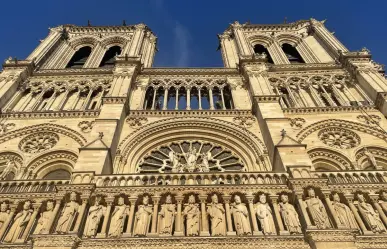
column 186, row 29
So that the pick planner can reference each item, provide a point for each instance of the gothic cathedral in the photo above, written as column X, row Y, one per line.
column 282, row 148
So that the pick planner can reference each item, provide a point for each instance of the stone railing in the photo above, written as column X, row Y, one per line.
column 28, row 186
column 354, row 177
column 227, row 178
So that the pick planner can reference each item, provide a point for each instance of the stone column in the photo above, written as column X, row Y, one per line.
column 349, row 197
column 211, row 99
column 200, row 98
column 304, row 212
column 274, row 201
column 80, row 215
column 165, row 104
column 179, row 231
column 204, row 229
column 331, row 210
column 156, row 200
column 132, row 200
column 221, row 94
column 188, row 99
column 256, row 231
column 374, row 199
column 36, row 207
column 230, row 230
column 177, row 99
column 109, row 203
column 6, row 223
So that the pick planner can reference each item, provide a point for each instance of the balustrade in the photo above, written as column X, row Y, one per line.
column 354, row 177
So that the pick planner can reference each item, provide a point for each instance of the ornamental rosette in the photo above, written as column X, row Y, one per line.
column 38, row 142
column 339, row 138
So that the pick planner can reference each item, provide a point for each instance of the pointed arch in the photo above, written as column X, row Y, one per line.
column 46, row 127
column 329, row 159
column 379, row 155
column 339, row 123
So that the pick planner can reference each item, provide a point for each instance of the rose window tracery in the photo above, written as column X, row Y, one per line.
column 339, row 138
column 190, row 156
column 39, row 142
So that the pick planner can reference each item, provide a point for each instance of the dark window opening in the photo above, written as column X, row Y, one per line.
column 205, row 100
column 79, row 58
column 148, row 99
column 171, row 102
column 292, row 54
column 218, row 104
column 194, row 101
column 228, row 103
column 159, row 99
column 182, row 104
column 57, row 174
column 260, row 49
column 110, row 56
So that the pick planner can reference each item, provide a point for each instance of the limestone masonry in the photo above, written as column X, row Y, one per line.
column 285, row 147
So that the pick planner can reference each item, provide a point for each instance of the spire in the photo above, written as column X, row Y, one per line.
column 88, row 23
column 123, row 23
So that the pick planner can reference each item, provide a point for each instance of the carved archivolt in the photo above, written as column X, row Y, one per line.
column 338, row 123
column 5, row 127
column 190, row 156
column 325, row 159
column 45, row 128
column 248, row 147
column 339, row 138
column 38, row 142
column 371, row 157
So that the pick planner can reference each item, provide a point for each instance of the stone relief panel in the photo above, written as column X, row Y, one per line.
column 86, row 126
column 339, row 138
column 38, row 142
column 190, row 156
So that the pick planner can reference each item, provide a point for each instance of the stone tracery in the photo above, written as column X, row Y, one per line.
column 339, row 138
column 38, row 142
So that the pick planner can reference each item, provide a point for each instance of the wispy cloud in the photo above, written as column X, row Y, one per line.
column 181, row 34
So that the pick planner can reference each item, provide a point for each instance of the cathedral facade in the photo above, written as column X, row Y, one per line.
column 283, row 147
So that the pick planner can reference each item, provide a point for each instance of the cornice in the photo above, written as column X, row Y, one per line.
column 190, row 113
column 51, row 114
column 72, row 71
column 277, row 27
column 331, row 235
column 303, row 67
column 337, row 109
column 190, row 71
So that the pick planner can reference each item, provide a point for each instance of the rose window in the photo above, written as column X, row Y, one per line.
column 339, row 138
column 190, row 156
column 39, row 142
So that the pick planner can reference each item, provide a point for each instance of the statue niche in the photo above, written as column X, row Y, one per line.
column 167, row 217
column 143, row 218
column 68, row 215
column 190, row 156
column 96, row 212
column 46, row 218
column 19, row 223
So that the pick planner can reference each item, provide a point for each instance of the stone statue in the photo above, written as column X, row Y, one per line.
column 371, row 217
column 68, row 214
column 343, row 213
column 383, row 200
column 167, row 217
column 217, row 216
column 4, row 214
column 265, row 216
column 205, row 167
column 191, row 158
column 7, row 170
column 317, row 210
column 143, row 218
column 370, row 157
column 241, row 217
column 289, row 215
column 45, row 219
column 19, row 223
column 93, row 219
column 118, row 219
column 192, row 215
column 175, row 161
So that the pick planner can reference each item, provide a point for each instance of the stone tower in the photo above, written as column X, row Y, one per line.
column 283, row 147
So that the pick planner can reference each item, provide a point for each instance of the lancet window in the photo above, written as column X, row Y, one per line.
column 178, row 95
column 190, row 156
column 292, row 54
column 79, row 58
column 57, row 96
column 319, row 91
column 109, row 57
column 262, row 51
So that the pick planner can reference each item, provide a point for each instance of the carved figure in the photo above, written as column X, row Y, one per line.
column 205, row 167
column 343, row 213
column 4, row 214
column 217, row 216
column 383, row 200
column 191, row 157
column 174, row 158
column 265, row 216
column 371, row 217
column 93, row 219
column 167, row 217
column 192, row 215
column 7, row 169
column 317, row 210
column 290, row 215
column 119, row 214
column 371, row 157
column 19, row 223
column 68, row 214
column 143, row 218
column 45, row 219
column 241, row 217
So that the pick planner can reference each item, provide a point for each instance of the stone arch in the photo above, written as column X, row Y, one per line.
column 81, row 140
column 17, row 162
column 339, row 123
column 291, row 39
column 79, row 42
column 262, row 39
column 41, row 165
column 379, row 153
column 329, row 159
column 114, row 40
column 249, row 147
